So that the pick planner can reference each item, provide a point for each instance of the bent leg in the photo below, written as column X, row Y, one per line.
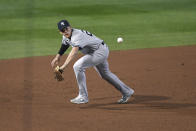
column 79, row 70
column 106, row 74
column 80, row 67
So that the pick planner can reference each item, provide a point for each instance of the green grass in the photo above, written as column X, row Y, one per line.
column 28, row 27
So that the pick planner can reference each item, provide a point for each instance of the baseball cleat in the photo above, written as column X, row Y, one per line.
column 79, row 100
column 126, row 97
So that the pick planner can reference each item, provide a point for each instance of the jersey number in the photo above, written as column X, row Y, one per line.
column 88, row 33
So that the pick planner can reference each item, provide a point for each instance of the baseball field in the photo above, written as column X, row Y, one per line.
column 157, row 59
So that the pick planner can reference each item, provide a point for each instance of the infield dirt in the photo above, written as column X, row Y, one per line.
column 164, row 81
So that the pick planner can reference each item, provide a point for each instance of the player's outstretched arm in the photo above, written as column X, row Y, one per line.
column 70, row 57
column 56, row 60
column 62, row 50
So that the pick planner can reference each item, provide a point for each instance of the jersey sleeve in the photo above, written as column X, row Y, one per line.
column 64, row 46
column 63, row 49
column 64, row 41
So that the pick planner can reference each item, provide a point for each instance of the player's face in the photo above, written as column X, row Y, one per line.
column 67, row 32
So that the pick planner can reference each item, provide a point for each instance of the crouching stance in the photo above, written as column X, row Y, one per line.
column 95, row 55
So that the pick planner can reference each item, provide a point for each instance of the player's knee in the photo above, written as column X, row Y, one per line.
column 77, row 67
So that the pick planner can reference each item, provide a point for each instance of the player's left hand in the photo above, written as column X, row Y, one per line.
column 58, row 74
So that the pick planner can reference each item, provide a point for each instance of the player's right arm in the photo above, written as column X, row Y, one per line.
column 62, row 50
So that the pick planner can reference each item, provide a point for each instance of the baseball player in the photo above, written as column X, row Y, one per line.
column 95, row 55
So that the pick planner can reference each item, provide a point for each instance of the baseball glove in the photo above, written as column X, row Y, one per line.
column 58, row 74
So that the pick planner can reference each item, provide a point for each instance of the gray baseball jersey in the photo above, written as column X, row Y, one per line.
column 86, row 41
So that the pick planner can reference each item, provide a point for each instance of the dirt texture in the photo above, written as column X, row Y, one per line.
column 164, row 81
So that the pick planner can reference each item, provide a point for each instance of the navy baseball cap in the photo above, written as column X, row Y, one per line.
column 62, row 25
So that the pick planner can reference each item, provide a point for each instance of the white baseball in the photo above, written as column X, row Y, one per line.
column 119, row 39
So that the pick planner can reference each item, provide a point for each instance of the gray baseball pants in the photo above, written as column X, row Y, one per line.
column 98, row 60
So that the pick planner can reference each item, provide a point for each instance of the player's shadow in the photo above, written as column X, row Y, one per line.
column 139, row 102
column 141, row 99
